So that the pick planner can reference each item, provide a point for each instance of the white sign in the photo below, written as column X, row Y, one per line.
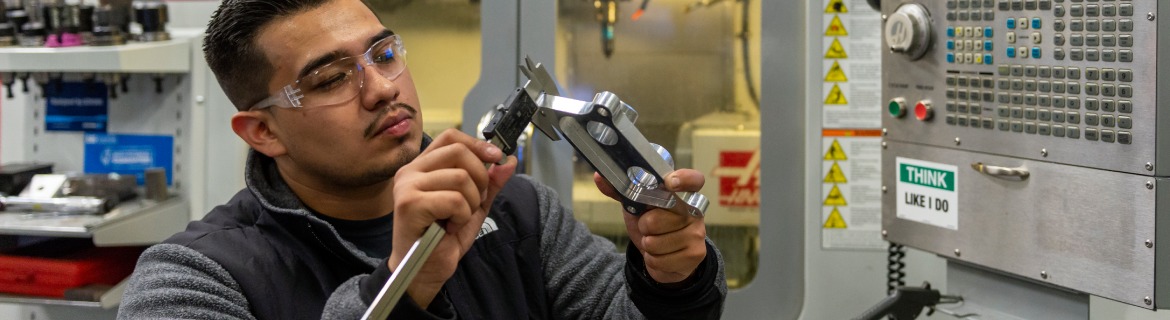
column 928, row 192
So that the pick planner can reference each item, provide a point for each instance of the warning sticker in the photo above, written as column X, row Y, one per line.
column 836, row 50
column 836, row 96
column 851, row 196
column 836, row 6
column 927, row 192
column 836, row 74
column 836, row 28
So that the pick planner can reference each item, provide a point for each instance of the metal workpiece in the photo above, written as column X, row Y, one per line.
column 603, row 131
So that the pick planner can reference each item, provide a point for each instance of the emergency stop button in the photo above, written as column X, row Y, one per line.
column 897, row 107
column 923, row 110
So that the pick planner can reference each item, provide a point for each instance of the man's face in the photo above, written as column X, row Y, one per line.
column 361, row 141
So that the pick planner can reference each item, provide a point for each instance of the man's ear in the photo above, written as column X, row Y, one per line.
column 254, row 127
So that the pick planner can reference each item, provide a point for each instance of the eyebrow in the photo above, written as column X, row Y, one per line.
column 338, row 54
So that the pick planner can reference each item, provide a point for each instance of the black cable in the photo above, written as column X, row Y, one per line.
column 747, row 66
column 896, row 275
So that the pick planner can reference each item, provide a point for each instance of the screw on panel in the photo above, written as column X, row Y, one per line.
column 1149, row 244
column 1044, row 274
column 1150, row 16
column 1044, row 152
column 1148, row 301
column 958, row 253
column 1149, row 166
column 1150, row 185
column 884, row 189
column 884, row 146
column 958, row 141
column 884, row 17
column 885, row 131
column 885, row 233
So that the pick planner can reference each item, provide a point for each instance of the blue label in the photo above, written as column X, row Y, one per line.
column 128, row 154
column 76, row 106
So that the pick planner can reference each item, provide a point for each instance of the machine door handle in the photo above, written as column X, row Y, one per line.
column 1018, row 173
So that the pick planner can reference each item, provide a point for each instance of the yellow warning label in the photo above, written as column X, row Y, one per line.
column 836, row 96
column 836, row 152
column 836, row 50
column 836, row 27
column 836, row 74
column 835, row 175
column 836, row 6
column 835, row 198
column 835, row 220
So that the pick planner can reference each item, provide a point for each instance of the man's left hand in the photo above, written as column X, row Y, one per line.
column 672, row 245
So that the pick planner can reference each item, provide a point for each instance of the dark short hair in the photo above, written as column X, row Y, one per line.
column 230, row 47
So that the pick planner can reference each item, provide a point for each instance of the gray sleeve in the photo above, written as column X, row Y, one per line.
column 176, row 282
column 344, row 302
column 584, row 273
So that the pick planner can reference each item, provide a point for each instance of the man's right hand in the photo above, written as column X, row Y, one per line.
column 447, row 182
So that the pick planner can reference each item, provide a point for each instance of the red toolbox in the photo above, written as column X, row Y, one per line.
column 51, row 272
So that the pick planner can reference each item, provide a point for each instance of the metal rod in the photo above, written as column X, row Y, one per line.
column 396, row 286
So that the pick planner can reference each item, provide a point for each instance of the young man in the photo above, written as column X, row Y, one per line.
column 341, row 181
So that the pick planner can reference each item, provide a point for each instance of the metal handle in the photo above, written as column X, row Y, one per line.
column 1020, row 173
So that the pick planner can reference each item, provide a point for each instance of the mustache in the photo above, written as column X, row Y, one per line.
column 382, row 115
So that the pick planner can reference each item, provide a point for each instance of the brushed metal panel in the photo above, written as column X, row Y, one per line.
column 925, row 79
column 1084, row 228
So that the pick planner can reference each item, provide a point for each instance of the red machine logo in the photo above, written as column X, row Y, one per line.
column 739, row 178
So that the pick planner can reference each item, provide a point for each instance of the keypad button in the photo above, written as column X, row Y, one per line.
column 1002, row 125
column 1030, row 127
column 1003, row 98
column 988, row 123
column 1093, row 25
column 1124, row 122
column 1058, row 25
column 1125, row 10
column 1077, row 54
column 1057, row 116
column 1044, row 100
column 1077, row 39
column 1058, row 11
column 1092, row 10
column 1109, row 25
column 1017, row 126
column 1045, row 71
column 1058, row 72
column 1109, row 90
column 1092, row 40
column 1073, row 132
column 1125, row 56
column 962, row 120
column 1017, row 98
column 1073, row 88
column 961, row 107
column 1003, row 112
column 1125, row 106
column 1108, row 121
column 1109, row 40
column 1044, row 115
column 1107, row 136
column 1004, row 70
column 1018, row 112
column 1109, row 10
column 988, row 15
column 1058, row 131
column 1030, row 99
column 1077, row 10
column 1074, row 118
column 1030, row 5
column 1074, row 103
column 1058, row 39
column 1092, row 74
column 1076, row 25
column 1058, row 86
column 1017, row 84
column 1030, row 71
column 1125, row 40
column 951, row 106
column 1125, row 25
column 1045, row 4
column 1126, row 75
column 1092, row 119
column 1108, row 55
column 1074, row 73
column 1058, row 101
column 988, row 83
column 1108, row 105
column 1058, row 54
column 1004, row 84
column 1091, row 134
column 1092, row 55
column 1030, row 113
column 1125, row 91
column 1092, row 104
column 976, row 109
column 1043, row 129
column 1124, row 137
column 1044, row 86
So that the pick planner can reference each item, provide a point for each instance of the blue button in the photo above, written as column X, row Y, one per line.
column 1036, row 23
column 988, row 32
column 987, row 58
column 950, row 32
column 1011, row 23
column 950, row 57
column 1036, row 52
column 1011, row 52
column 950, row 44
column 987, row 45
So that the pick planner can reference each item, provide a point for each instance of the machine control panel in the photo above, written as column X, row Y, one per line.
column 1062, row 76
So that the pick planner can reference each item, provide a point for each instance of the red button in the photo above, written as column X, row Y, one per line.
column 923, row 111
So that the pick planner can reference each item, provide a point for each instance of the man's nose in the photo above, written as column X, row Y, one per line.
column 377, row 89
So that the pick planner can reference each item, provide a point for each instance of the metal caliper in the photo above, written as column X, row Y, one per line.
column 602, row 130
